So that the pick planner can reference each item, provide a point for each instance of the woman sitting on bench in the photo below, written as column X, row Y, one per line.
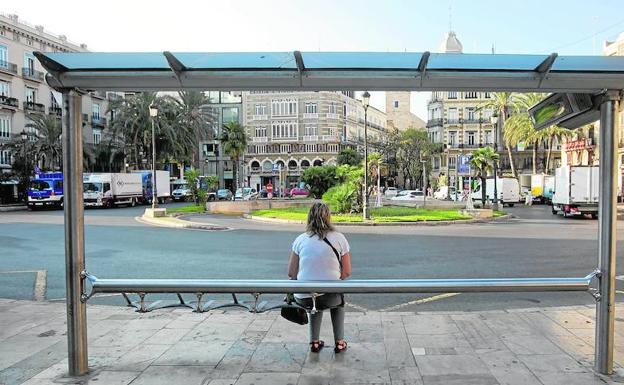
column 320, row 254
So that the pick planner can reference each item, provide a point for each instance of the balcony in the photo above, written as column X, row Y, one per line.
column 259, row 139
column 32, row 74
column 310, row 138
column 333, row 116
column 453, row 121
column 329, row 138
column 310, row 115
column 8, row 68
column 55, row 110
column 9, row 102
column 284, row 139
column 34, row 107
column 98, row 121
column 260, row 117
column 434, row 122
column 472, row 121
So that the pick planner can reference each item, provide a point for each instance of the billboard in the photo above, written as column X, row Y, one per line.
column 463, row 164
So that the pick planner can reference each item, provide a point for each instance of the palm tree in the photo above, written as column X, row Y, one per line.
column 555, row 134
column 46, row 131
column 483, row 161
column 501, row 103
column 234, row 141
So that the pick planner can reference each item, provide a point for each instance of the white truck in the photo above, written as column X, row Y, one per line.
column 542, row 187
column 111, row 189
column 163, row 185
column 508, row 190
column 577, row 190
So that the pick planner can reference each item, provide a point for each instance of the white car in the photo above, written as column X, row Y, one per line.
column 443, row 192
column 409, row 195
column 391, row 192
column 245, row 193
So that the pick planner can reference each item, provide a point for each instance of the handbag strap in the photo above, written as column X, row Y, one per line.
column 335, row 252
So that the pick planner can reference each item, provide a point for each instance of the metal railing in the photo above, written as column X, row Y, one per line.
column 32, row 74
column 8, row 67
column 8, row 101
column 201, row 287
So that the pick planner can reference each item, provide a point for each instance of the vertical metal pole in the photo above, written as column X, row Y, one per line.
column 605, row 308
column 365, row 203
column 74, row 233
column 154, row 192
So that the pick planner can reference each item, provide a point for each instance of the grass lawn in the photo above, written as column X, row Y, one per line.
column 380, row 215
column 187, row 209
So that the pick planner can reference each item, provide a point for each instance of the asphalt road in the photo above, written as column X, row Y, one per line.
column 534, row 244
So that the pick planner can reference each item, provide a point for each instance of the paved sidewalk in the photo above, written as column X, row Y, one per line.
column 529, row 346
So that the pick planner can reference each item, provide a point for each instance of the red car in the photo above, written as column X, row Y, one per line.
column 298, row 192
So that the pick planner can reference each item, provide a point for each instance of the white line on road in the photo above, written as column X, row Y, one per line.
column 420, row 301
column 41, row 281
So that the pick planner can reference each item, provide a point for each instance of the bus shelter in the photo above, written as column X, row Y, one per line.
column 73, row 74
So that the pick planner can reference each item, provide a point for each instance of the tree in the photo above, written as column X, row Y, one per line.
column 234, row 141
column 47, row 147
column 192, row 176
column 501, row 103
column 349, row 156
column 483, row 161
column 320, row 179
column 411, row 144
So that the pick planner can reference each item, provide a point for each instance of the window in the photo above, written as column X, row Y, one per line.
column 310, row 130
column 452, row 138
column 470, row 113
column 487, row 95
column 261, row 131
column 5, row 157
column 487, row 137
column 5, row 88
column 487, row 114
column 283, row 107
column 5, row 126
column 231, row 97
column 29, row 62
column 261, row 109
column 284, row 129
column 97, row 136
column 471, row 138
column 396, row 104
column 470, row 95
column 452, row 95
column 452, row 161
column 310, row 108
column 332, row 108
column 4, row 57
column 230, row 114
column 31, row 95
column 452, row 115
column 95, row 111
column 333, row 131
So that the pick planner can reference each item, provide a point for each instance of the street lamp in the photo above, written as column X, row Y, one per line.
column 153, row 112
column 365, row 103
column 24, row 136
column 494, row 121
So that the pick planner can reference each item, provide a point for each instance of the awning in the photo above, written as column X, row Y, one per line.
column 133, row 71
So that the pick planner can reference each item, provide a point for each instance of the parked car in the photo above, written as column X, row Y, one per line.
column 391, row 192
column 443, row 192
column 409, row 195
column 299, row 192
column 263, row 193
column 181, row 192
column 224, row 195
column 246, row 193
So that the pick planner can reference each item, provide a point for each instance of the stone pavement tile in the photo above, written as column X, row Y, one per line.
column 139, row 358
column 221, row 381
column 209, row 332
column 34, row 364
column 508, row 323
column 239, row 354
column 570, row 379
column 364, row 356
column 552, row 363
column 399, row 353
column 232, row 317
column 261, row 325
column 59, row 369
column 19, row 347
column 587, row 335
column 167, row 336
column 540, row 322
column 263, row 378
column 349, row 375
column 196, row 353
column 182, row 324
column 359, row 333
column 508, row 369
column 102, row 356
column 455, row 340
column 147, row 323
column 573, row 345
column 169, row 375
column 429, row 324
column 110, row 377
column 405, row 376
column 124, row 338
column 285, row 331
column 393, row 328
column 530, row 344
column 477, row 333
column 278, row 357
column 452, row 364
column 571, row 319
column 460, row 379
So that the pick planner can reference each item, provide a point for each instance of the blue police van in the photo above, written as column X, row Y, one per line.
column 45, row 190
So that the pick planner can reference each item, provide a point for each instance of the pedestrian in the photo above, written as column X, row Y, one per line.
column 321, row 254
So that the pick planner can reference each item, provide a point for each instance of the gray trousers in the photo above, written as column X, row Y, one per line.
column 333, row 302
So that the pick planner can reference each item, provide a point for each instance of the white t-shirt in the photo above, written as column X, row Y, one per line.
column 317, row 261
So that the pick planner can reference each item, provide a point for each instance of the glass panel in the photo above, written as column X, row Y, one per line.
column 361, row 60
column 230, row 114
column 231, row 97
column 247, row 60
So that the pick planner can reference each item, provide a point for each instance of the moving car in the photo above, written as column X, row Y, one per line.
column 246, row 193
column 224, row 195
column 181, row 191
column 298, row 192
column 409, row 195
column 391, row 192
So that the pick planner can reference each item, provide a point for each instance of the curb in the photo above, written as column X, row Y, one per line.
column 6, row 209
column 181, row 224
column 422, row 223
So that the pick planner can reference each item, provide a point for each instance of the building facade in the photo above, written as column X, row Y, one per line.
column 23, row 90
column 398, row 111
column 291, row 131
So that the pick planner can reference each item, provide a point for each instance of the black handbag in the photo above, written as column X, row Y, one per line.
column 293, row 313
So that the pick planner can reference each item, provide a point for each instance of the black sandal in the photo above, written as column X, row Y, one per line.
column 340, row 346
column 316, row 346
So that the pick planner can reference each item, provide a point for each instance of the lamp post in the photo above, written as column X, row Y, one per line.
column 494, row 121
column 24, row 136
column 153, row 112
column 365, row 103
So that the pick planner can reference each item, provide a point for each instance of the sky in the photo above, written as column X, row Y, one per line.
column 568, row 27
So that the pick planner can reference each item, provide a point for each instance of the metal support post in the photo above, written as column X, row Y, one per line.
column 365, row 212
column 605, row 308
column 74, row 233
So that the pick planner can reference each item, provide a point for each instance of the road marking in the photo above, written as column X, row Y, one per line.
column 41, row 281
column 420, row 301
column 357, row 307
